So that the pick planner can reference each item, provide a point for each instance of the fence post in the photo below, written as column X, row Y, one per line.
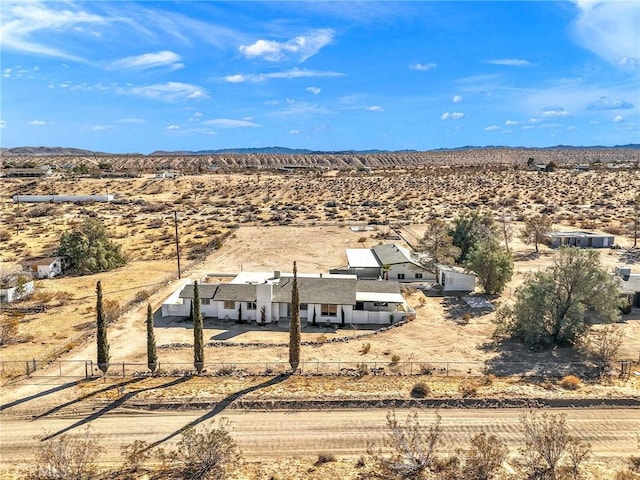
column 34, row 364
column 59, row 368
column 447, row 369
column 86, row 372
column 27, row 364
column 122, row 369
column 410, row 368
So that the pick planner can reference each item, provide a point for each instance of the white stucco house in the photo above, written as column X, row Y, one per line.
column 387, row 261
column 15, row 287
column 455, row 279
column 44, row 267
column 265, row 297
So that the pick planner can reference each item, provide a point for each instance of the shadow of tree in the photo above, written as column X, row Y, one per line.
column 220, row 406
column 40, row 394
column 113, row 405
column 85, row 397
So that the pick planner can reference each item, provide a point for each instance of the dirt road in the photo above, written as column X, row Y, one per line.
column 263, row 435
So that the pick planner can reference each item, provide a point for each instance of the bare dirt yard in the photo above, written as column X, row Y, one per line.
column 266, row 221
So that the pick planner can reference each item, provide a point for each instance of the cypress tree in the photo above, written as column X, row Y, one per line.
column 152, row 356
column 103, row 345
column 294, row 324
column 198, row 342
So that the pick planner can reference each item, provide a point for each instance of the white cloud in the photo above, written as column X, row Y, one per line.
column 510, row 62
column 492, row 128
column 423, row 67
column 375, row 108
column 294, row 132
column 3, row 124
column 453, row 115
column 606, row 103
column 300, row 48
column 610, row 30
column 301, row 108
column 230, row 123
column 172, row 127
column 37, row 122
column 288, row 74
column 314, row 90
column 618, row 118
column 554, row 111
column 456, row 99
column 100, row 127
column 511, row 123
column 23, row 21
column 7, row 72
column 170, row 91
column 165, row 58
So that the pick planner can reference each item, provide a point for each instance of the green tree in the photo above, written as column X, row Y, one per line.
column 294, row 324
column 438, row 242
column 535, row 228
column 101, row 337
column 89, row 248
column 152, row 356
column 551, row 307
column 492, row 263
column 198, row 341
column 469, row 228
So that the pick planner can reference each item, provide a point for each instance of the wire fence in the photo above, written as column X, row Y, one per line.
column 89, row 369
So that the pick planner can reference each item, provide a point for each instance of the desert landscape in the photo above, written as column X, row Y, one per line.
column 234, row 220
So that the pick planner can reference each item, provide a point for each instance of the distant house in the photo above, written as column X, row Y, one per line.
column 15, row 287
column 43, row 171
column 629, row 285
column 266, row 297
column 580, row 239
column 168, row 174
column 455, row 279
column 44, row 267
column 388, row 261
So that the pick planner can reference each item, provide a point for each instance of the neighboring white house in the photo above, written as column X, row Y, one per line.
column 455, row 279
column 15, row 287
column 629, row 285
column 168, row 174
column 44, row 267
column 393, row 263
column 266, row 297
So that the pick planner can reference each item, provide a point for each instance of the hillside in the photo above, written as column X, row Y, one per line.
column 277, row 157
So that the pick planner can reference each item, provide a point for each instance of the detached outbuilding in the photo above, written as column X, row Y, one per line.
column 580, row 239
column 455, row 279
column 45, row 267
column 629, row 285
column 15, row 287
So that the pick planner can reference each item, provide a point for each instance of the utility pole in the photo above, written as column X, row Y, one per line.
column 175, row 221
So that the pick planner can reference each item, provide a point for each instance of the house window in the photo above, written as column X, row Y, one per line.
column 359, row 305
column 229, row 305
column 304, row 307
column 205, row 301
column 401, row 276
column 418, row 275
column 329, row 310
column 251, row 305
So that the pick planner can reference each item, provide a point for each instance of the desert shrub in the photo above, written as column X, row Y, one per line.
column 135, row 455
column 365, row 348
column 362, row 239
column 68, row 458
column 362, row 369
column 468, row 388
column 395, row 358
column 466, row 317
column 570, row 382
column 325, row 457
column 484, row 458
column 549, row 448
column 5, row 236
column 8, row 330
column 203, row 453
column 321, row 338
column 420, row 390
column 227, row 370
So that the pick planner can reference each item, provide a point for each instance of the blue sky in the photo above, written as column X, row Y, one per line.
column 125, row 76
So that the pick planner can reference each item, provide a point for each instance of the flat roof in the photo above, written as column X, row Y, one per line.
column 361, row 258
column 578, row 234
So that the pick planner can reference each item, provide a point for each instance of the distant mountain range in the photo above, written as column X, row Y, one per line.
column 65, row 151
